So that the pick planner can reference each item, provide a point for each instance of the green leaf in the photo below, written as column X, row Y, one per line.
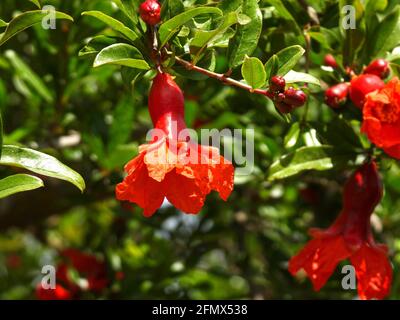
column 113, row 23
column 40, row 163
column 19, row 183
column 246, row 39
column 386, row 35
column 293, row 77
column 129, row 8
column 284, row 13
column 36, row 3
column 288, row 58
column 95, row 45
column 253, row 72
column 1, row 132
column 3, row 23
column 203, row 38
column 26, row 20
column 229, row 5
column 170, row 27
column 171, row 8
column 306, row 158
column 29, row 76
column 292, row 136
column 272, row 66
column 121, row 54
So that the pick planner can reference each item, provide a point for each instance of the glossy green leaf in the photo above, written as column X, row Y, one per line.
column 292, row 136
column 129, row 8
column 18, row 183
column 306, row 158
column 26, row 20
column 169, row 28
column 40, row 163
column 29, row 76
column 253, row 72
column 121, row 54
column 288, row 58
column 246, row 39
column 113, row 23
column 294, row 76
column 36, row 3
column 95, row 45
column 272, row 66
column 203, row 38
column 3, row 23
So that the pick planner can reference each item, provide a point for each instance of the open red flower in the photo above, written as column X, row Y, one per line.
column 171, row 166
column 381, row 115
column 350, row 237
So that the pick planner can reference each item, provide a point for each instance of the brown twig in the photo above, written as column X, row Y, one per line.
column 221, row 77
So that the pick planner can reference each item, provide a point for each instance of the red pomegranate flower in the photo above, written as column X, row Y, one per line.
column 171, row 166
column 89, row 268
column 381, row 114
column 350, row 237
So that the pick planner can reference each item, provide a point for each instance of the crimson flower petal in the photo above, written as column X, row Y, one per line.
column 319, row 259
column 373, row 271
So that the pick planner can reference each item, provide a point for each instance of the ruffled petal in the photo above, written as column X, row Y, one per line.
column 159, row 160
column 139, row 188
column 373, row 271
column 393, row 151
column 211, row 170
column 184, row 193
column 319, row 259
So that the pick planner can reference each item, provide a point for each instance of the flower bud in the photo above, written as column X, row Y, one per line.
column 362, row 85
column 330, row 61
column 277, row 84
column 150, row 12
column 378, row 67
column 295, row 97
column 283, row 107
column 336, row 96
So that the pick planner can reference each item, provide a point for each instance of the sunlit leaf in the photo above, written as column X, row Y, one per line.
column 40, row 163
column 18, row 183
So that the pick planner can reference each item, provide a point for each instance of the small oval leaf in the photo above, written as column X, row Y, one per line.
column 121, row 54
column 253, row 72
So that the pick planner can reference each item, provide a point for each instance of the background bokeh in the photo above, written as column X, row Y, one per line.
column 91, row 119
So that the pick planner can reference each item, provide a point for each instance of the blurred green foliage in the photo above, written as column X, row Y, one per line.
column 91, row 119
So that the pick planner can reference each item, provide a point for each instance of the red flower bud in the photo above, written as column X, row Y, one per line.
column 362, row 85
column 283, row 107
column 150, row 12
column 330, row 61
column 295, row 97
column 364, row 190
column 336, row 96
column 277, row 84
column 378, row 67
